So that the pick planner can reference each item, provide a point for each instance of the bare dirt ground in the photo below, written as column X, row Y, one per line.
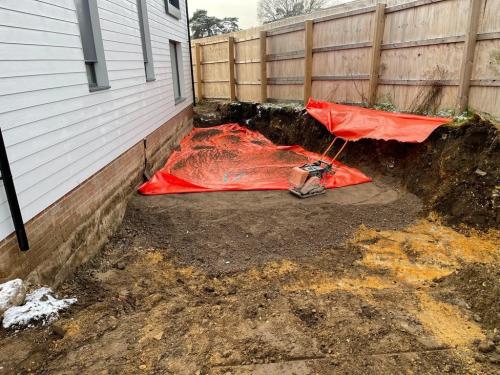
column 352, row 282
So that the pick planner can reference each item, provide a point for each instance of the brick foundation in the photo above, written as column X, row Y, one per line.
column 77, row 226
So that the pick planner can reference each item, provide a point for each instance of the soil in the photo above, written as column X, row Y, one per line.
column 455, row 172
column 359, row 280
column 191, row 285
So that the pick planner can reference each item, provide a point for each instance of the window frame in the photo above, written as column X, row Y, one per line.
column 92, row 45
column 179, row 70
column 142, row 12
column 172, row 10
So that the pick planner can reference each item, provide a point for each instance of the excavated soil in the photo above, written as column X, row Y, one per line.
column 456, row 172
column 361, row 280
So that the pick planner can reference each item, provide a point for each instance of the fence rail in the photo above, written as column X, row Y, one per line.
column 434, row 54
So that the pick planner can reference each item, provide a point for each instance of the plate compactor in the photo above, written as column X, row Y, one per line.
column 307, row 180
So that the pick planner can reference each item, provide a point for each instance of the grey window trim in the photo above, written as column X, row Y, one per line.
column 93, row 49
column 173, row 10
column 177, row 70
column 142, row 10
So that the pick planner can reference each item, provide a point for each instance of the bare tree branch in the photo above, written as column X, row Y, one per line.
column 273, row 10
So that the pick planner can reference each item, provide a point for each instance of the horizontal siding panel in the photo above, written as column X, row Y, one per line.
column 16, row 85
column 115, row 36
column 68, row 4
column 15, row 35
column 14, row 121
column 18, row 52
column 58, row 133
column 29, row 68
column 35, row 22
column 40, row 9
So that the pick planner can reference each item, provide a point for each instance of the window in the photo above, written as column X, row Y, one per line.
column 142, row 11
column 93, row 50
column 173, row 8
column 177, row 77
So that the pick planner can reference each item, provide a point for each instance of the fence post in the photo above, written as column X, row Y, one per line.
column 308, row 60
column 468, row 55
column 199, row 67
column 263, row 66
column 232, row 82
column 377, row 35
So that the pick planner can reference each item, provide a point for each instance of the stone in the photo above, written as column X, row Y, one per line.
column 495, row 358
column 120, row 266
column 480, row 172
column 12, row 293
column 58, row 330
column 209, row 289
column 486, row 346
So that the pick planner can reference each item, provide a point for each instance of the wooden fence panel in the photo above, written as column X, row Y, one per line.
column 422, row 50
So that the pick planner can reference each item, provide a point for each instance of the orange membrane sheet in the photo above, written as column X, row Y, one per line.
column 232, row 157
column 353, row 123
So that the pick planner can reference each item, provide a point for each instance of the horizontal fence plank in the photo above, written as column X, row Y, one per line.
column 214, row 80
column 285, row 81
column 286, row 56
column 214, row 62
column 214, row 42
column 425, row 42
column 413, row 4
column 341, row 78
column 247, row 83
column 419, row 82
column 342, row 47
column 251, row 61
column 286, row 29
column 488, row 36
column 244, row 40
column 485, row 82
column 351, row 13
column 398, row 82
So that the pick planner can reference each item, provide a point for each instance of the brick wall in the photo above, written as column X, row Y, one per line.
column 75, row 228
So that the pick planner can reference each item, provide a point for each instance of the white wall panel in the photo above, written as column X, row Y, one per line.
column 57, row 133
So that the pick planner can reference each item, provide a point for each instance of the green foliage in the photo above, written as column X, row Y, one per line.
column 203, row 25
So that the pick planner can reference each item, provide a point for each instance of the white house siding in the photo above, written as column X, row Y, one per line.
column 57, row 133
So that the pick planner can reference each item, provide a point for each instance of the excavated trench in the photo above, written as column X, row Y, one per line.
column 358, row 280
column 455, row 172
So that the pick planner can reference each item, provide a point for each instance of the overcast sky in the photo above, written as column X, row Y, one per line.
column 245, row 10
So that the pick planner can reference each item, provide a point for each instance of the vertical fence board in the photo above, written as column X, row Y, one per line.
column 308, row 56
column 468, row 55
column 377, row 35
column 232, row 83
column 199, row 68
column 263, row 66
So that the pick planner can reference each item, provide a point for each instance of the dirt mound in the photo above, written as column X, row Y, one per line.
column 479, row 287
column 455, row 172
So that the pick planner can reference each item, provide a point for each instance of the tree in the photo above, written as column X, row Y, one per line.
column 203, row 25
column 274, row 10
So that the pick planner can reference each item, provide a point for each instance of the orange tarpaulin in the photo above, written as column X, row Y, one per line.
column 353, row 123
column 231, row 157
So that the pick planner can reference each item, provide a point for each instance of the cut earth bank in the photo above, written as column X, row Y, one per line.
column 365, row 279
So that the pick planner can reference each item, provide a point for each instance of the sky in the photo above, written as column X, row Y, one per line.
column 245, row 10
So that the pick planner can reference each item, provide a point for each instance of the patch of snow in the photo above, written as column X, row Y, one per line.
column 40, row 307
column 12, row 293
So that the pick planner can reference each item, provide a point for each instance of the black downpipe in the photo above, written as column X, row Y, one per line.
column 190, row 53
column 10, row 191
